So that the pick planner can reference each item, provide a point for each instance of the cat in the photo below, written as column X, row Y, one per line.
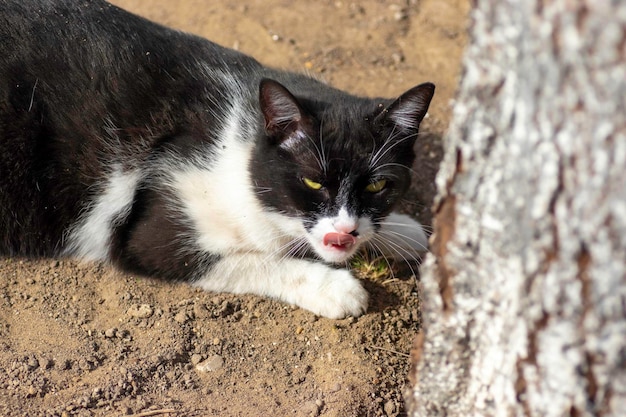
column 169, row 156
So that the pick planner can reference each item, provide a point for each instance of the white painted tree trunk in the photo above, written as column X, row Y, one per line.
column 525, row 293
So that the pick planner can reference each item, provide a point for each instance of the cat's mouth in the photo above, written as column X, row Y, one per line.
column 339, row 241
column 336, row 239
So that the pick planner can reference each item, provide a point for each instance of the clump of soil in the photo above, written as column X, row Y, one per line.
column 87, row 340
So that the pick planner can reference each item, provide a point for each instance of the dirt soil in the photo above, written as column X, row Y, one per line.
column 86, row 340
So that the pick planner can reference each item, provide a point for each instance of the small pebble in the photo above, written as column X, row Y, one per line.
column 400, row 15
column 399, row 12
column 181, row 317
column 335, row 388
column 310, row 409
column 390, row 408
column 196, row 358
column 96, row 393
column 200, row 310
column 142, row 311
column 86, row 365
column 214, row 363
column 46, row 363
column 397, row 58
column 32, row 363
column 122, row 334
column 32, row 391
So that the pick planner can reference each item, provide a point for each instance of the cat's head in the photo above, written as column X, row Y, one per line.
column 335, row 169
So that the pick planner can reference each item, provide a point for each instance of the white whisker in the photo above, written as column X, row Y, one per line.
column 405, row 238
column 397, row 249
column 376, row 248
column 393, row 164
column 263, row 190
column 319, row 157
column 413, row 225
column 321, row 148
column 385, row 149
column 408, row 225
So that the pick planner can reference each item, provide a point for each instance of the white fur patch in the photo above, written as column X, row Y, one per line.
column 90, row 237
column 218, row 199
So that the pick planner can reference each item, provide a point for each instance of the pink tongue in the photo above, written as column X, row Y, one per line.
column 339, row 239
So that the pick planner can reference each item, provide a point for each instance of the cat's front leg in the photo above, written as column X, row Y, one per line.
column 328, row 292
column 400, row 236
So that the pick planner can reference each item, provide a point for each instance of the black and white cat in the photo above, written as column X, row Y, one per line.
column 170, row 156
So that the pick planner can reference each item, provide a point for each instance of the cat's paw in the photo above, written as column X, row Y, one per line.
column 332, row 293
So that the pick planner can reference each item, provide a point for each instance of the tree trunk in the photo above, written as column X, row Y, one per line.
column 525, row 293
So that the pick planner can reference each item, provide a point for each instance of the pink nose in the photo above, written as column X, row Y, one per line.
column 346, row 227
column 339, row 240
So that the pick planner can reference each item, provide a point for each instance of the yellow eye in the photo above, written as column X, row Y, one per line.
column 312, row 184
column 376, row 186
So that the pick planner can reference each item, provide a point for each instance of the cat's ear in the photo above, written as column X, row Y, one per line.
column 281, row 111
column 408, row 111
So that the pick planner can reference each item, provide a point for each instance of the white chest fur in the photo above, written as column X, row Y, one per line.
column 218, row 198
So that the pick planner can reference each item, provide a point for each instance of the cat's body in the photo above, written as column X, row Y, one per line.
column 124, row 141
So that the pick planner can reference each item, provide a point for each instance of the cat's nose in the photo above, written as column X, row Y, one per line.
column 350, row 228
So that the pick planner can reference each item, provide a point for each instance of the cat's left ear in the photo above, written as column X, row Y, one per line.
column 281, row 110
column 408, row 111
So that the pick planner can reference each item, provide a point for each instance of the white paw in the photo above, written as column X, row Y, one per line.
column 332, row 293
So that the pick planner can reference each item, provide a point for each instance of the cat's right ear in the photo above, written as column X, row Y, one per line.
column 281, row 111
column 407, row 112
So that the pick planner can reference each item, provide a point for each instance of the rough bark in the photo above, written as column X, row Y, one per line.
column 525, row 293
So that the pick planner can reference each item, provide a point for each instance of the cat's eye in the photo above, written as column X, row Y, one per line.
column 375, row 187
column 311, row 184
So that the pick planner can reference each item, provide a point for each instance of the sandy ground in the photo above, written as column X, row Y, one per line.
column 87, row 340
